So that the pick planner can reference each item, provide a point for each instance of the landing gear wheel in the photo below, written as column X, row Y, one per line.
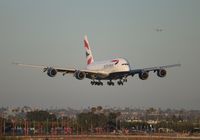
column 92, row 82
column 110, row 83
column 125, row 80
column 98, row 83
column 120, row 82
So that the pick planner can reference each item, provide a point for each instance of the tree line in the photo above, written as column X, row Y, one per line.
column 94, row 121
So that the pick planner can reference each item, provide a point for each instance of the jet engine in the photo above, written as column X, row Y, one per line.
column 161, row 73
column 143, row 75
column 79, row 75
column 51, row 72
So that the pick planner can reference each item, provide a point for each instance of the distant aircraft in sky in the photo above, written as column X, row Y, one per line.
column 113, row 69
column 158, row 29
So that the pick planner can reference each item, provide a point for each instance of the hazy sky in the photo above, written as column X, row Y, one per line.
column 51, row 32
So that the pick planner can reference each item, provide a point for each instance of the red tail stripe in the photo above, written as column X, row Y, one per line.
column 89, row 60
column 86, row 44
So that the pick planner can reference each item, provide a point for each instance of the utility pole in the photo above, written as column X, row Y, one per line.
column 1, row 126
column 4, row 126
column 116, row 124
column 62, row 124
column 76, row 127
column 47, row 126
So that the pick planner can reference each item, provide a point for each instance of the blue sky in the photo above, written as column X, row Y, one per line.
column 51, row 33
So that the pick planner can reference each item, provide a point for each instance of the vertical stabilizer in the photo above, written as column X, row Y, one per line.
column 89, row 56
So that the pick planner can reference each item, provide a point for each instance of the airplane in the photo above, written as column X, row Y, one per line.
column 159, row 29
column 113, row 69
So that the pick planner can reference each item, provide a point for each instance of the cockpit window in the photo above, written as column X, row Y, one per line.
column 125, row 64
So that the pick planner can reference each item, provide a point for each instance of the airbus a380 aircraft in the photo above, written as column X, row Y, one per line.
column 114, row 69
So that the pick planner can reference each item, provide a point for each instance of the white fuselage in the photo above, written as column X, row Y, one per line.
column 110, row 66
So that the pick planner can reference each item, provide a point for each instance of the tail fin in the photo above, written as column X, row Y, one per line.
column 89, row 56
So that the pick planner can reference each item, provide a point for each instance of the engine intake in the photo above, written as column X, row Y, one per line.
column 51, row 72
column 143, row 75
column 79, row 75
column 161, row 73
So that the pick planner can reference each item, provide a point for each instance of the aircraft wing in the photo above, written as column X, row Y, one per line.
column 143, row 73
column 161, row 67
column 89, row 73
column 29, row 65
column 154, row 69
column 45, row 68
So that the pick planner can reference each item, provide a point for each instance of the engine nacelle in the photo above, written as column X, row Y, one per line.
column 79, row 75
column 161, row 73
column 143, row 75
column 51, row 72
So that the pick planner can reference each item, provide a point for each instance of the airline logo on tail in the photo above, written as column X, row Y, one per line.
column 89, row 56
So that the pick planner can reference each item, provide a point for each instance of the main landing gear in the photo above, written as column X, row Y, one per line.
column 120, row 82
column 110, row 83
column 98, row 83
